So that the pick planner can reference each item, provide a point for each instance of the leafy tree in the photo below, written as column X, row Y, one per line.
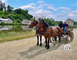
column 16, row 15
column 20, row 11
column 10, row 9
column 24, row 13
column 51, row 22
column 75, row 22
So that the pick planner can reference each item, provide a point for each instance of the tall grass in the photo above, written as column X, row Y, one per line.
column 15, row 35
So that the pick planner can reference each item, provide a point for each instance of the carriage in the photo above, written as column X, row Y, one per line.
column 68, row 35
column 48, row 32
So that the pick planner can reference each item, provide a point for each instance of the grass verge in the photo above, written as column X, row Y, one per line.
column 74, row 28
column 11, row 36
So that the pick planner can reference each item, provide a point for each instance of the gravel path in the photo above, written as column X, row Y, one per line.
column 26, row 49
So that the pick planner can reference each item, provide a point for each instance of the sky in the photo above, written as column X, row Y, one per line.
column 59, row 10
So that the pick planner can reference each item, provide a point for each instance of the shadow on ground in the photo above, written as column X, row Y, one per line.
column 37, row 50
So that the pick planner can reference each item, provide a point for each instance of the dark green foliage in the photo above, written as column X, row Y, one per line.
column 2, row 23
column 23, row 13
column 16, row 15
column 75, row 22
column 10, row 9
column 20, row 11
column 51, row 22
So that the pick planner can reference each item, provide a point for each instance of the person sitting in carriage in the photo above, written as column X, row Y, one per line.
column 61, row 24
column 65, row 25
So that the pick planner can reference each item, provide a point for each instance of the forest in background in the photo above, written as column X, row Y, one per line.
column 17, row 15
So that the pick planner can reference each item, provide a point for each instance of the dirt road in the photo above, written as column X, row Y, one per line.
column 26, row 49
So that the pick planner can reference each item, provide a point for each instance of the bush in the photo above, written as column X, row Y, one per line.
column 2, row 23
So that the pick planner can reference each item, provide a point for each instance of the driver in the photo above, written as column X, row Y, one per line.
column 61, row 24
column 65, row 25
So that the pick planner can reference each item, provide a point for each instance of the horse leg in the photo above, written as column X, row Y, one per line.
column 40, row 40
column 55, row 40
column 45, row 41
column 59, row 38
column 50, row 40
column 37, row 40
column 48, row 43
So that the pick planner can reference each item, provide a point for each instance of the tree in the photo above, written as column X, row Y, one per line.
column 20, row 11
column 24, row 13
column 2, row 6
column 16, row 15
column 10, row 9
column 51, row 22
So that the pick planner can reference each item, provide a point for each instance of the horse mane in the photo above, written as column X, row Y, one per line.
column 36, row 22
column 45, row 23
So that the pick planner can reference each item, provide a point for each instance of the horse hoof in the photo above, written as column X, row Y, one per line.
column 37, row 44
column 45, row 46
column 40, row 44
column 48, row 47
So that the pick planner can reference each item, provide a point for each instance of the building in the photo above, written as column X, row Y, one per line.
column 2, row 6
column 6, row 28
column 24, row 27
column 6, row 20
column 70, row 22
column 26, row 22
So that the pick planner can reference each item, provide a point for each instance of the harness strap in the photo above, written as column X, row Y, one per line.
column 51, row 31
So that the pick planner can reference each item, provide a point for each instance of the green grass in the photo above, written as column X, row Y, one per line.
column 11, row 24
column 74, row 28
column 14, row 35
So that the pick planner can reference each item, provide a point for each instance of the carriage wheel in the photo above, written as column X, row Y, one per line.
column 71, row 36
column 67, row 38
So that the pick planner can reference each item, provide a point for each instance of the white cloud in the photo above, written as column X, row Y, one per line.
column 74, row 11
column 63, row 11
column 36, row 10
column 71, row 14
column 52, row 8
column 39, row 2
column 64, row 8
column 4, row 1
column 51, row 16
column 39, row 11
column 45, row 10
column 44, row 5
column 64, row 15
column 43, row 13
column 41, row 6
column 29, row 6
column 74, row 5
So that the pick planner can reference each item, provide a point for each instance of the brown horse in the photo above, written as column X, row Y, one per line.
column 48, row 32
column 33, row 24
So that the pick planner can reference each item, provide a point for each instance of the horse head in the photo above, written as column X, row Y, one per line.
column 40, row 24
column 33, row 23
